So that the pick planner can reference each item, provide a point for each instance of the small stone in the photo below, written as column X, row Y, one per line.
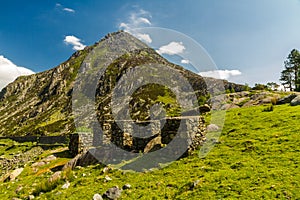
column 107, row 178
column 38, row 164
column 58, row 193
column 66, row 185
column 30, row 197
column 105, row 170
column 212, row 127
column 113, row 193
column 272, row 187
column 49, row 158
column 126, row 186
column 78, row 167
column 195, row 183
column 19, row 188
column 55, row 176
column 15, row 174
column 97, row 197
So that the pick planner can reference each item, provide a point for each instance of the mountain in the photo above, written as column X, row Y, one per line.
column 41, row 104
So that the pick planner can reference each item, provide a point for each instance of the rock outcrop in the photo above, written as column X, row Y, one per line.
column 296, row 101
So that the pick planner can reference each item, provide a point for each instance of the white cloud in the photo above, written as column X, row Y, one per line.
column 184, row 61
column 69, row 10
column 9, row 71
column 76, row 42
column 144, row 37
column 59, row 6
column 138, row 19
column 221, row 74
column 172, row 48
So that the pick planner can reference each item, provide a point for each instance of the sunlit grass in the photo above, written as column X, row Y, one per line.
column 257, row 157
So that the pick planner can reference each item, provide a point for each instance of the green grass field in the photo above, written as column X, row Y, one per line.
column 257, row 157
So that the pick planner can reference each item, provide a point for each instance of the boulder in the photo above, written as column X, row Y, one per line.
column 296, row 101
column 55, row 176
column 113, row 193
column 14, row 174
column 83, row 159
column 49, row 158
column 229, row 106
column 250, row 103
column 38, row 164
column 266, row 100
column 286, row 99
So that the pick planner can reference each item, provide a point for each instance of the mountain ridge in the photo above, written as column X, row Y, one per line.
column 40, row 104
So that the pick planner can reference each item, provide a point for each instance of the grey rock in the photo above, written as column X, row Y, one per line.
column 55, row 176
column 49, row 158
column 126, row 186
column 266, row 100
column 296, row 101
column 107, row 178
column 250, row 103
column 212, row 127
column 286, row 99
column 14, row 174
column 97, row 197
column 194, row 184
column 38, row 164
column 113, row 193
column 106, row 169
column 229, row 106
column 58, row 193
column 30, row 197
column 66, row 185
column 19, row 188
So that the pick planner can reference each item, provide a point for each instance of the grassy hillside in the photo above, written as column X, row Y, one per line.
column 257, row 157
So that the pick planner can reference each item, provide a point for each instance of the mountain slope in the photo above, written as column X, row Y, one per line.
column 41, row 104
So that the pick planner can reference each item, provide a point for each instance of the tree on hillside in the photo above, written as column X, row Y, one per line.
column 272, row 86
column 290, row 76
column 259, row 86
column 287, row 79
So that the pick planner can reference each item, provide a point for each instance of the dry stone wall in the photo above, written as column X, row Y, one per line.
column 130, row 137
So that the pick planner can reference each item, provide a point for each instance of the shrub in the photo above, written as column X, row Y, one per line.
column 46, row 186
column 269, row 108
column 274, row 101
column 68, row 174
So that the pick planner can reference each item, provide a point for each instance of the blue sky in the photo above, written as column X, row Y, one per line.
column 249, row 36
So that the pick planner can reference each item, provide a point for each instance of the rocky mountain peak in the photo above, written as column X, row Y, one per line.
column 41, row 104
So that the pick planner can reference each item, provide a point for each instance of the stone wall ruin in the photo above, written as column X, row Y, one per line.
column 162, row 132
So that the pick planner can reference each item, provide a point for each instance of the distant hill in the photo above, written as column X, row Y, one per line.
column 41, row 104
